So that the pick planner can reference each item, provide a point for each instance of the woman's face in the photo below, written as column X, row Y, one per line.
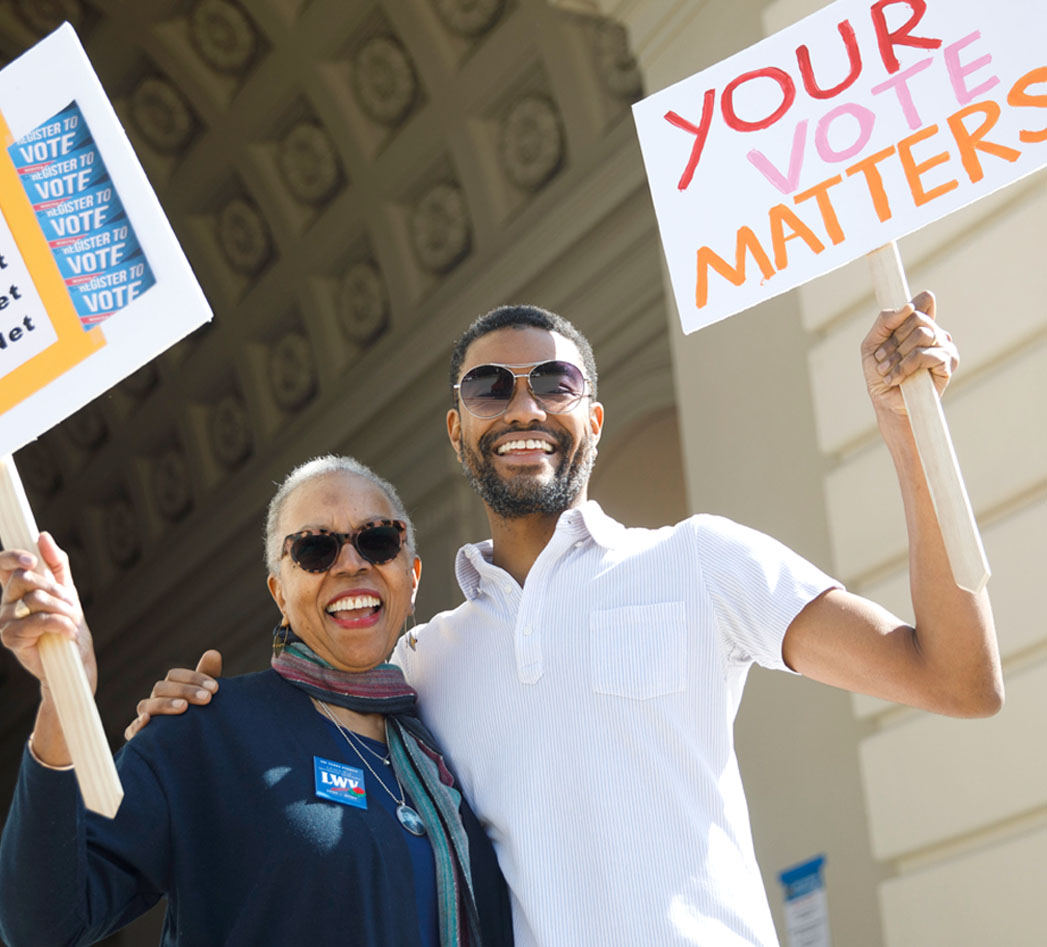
column 320, row 607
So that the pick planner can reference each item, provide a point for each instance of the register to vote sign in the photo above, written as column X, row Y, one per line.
column 79, row 210
column 849, row 129
column 93, row 283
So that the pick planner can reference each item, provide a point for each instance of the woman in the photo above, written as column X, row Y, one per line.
column 310, row 807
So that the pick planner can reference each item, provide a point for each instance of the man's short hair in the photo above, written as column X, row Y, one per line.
column 518, row 317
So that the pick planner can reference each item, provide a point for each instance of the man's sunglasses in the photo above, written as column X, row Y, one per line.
column 487, row 390
column 316, row 550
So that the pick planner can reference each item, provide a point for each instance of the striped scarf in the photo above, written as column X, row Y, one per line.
column 416, row 761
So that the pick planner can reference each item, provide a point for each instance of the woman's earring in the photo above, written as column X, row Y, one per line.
column 412, row 638
column 280, row 635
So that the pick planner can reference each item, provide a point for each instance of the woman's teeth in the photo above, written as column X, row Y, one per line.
column 350, row 603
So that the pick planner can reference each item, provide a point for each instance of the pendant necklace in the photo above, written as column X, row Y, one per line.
column 407, row 816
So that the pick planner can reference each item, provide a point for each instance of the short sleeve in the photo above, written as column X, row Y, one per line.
column 756, row 587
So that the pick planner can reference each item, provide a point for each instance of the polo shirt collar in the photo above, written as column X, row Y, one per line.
column 473, row 562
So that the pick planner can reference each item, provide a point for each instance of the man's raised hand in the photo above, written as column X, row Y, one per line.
column 900, row 343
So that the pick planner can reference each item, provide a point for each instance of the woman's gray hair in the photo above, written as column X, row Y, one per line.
column 320, row 467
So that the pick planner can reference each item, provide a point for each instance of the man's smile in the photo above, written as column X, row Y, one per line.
column 528, row 445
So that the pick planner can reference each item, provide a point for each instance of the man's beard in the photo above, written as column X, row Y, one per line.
column 523, row 494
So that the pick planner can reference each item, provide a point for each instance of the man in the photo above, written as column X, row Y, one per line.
column 587, row 687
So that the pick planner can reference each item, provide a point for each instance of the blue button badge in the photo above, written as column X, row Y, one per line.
column 340, row 783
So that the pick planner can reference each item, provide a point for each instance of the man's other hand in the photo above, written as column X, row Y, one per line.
column 180, row 688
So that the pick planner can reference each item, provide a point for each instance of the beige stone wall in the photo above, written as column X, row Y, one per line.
column 957, row 809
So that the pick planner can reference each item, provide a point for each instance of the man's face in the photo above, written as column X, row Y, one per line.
column 526, row 460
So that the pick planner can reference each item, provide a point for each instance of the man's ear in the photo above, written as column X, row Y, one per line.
column 596, row 420
column 454, row 431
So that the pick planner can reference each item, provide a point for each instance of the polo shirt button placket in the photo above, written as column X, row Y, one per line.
column 530, row 665
column 528, row 653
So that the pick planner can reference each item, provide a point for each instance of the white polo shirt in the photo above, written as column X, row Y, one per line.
column 589, row 717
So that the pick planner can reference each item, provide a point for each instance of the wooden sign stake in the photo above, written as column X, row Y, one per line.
column 77, row 713
column 963, row 544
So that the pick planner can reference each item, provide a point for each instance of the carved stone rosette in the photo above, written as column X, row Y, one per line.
column 292, row 372
column 243, row 236
column 223, row 36
column 363, row 304
column 120, row 532
column 384, row 80
column 229, row 430
column 309, row 164
column 531, row 142
column 440, row 232
column 87, row 428
column 172, row 488
column 162, row 115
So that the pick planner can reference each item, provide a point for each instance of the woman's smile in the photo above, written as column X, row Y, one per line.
column 356, row 608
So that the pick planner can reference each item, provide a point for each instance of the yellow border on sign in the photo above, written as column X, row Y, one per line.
column 74, row 343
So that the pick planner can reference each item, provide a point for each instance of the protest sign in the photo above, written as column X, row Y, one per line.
column 853, row 127
column 831, row 139
column 93, row 284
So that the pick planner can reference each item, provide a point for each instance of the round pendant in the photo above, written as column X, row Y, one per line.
column 410, row 820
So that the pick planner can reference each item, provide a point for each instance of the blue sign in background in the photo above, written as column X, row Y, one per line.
column 802, row 879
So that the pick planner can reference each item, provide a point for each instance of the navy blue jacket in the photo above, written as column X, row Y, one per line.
column 220, row 816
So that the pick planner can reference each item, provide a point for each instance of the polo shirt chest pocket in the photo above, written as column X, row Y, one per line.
column 639, row 651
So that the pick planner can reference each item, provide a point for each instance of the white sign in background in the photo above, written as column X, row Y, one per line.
column 853, row 127
column 34, row 88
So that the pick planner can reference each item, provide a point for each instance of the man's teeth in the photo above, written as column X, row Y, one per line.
column 349, row 603
column 525, row 445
